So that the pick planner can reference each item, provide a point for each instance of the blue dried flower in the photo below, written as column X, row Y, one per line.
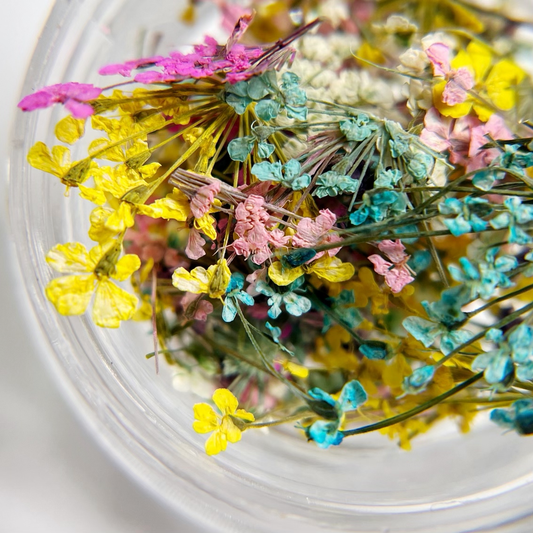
column 518, row 417
column 234, row 293
column 327, row 433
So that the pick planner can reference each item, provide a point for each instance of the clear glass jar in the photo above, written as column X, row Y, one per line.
column 481, row 481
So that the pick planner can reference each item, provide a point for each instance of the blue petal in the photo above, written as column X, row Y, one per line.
column 325, row 434
column 422, row 330
column 419, row 379
column 229, row 311
column 296, row 305
column 352, row 395
column 319, row 394
column 266, row 171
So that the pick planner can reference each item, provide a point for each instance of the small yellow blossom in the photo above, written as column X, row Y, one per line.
column 223, row 427
column 214, row 281
column 327, row 268
column 57, row 162
column 90, row 273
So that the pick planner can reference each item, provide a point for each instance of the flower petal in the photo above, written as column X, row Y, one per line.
column 70, row 257
column 206, row 418
column 71, row 294
column 112, row 304
column 216, row 443
column 284, row 276
column 225, row 401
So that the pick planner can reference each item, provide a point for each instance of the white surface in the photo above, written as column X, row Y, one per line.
column 53, row 476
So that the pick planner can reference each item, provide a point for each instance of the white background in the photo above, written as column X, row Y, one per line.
column 53, row 476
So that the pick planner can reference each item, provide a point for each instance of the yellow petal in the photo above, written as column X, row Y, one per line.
column 480, row 59
column 332, row 269
column 216, row 443
column 56, row 163
column 206, row 225
column 219, row 278
column 167, row 208
column 126, row 266
column 93, row 195
column 147, row 171
column 225, row 401
column 98, row 231
column 120, row 219
column 296, row 370
column 196, row 281
column 112, row 304
column 502, row 83
column 70, row 257
column 284, row 276
column 206, row 419
column 232, row 432
column 69, row 129
column 245, row 415
column 463, row 60
column 71, row 294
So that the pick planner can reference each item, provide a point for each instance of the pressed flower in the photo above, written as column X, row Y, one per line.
column 289, row 175
column 513, row 217
column 397, row 274
column 222, row 425
column 57, row 162
column 518, row 417
column 295, row 304
column 91, row 273
column 328, row 433
column 234, row 295
column 73, row 95
column 328, row 268
column 214, row 281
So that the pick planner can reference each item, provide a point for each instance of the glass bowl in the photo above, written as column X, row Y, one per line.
column 450, row 482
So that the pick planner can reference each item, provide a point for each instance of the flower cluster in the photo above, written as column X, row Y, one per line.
column 330, row 212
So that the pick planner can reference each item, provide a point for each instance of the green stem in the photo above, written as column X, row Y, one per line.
column 415, row 411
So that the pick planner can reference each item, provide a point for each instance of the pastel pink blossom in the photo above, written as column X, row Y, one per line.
column 397, row 274
column 311, row 233
column 442, row 133
column 253, row 239
column 195, row 244
column 203, row 199
column 495, row 128
column 72, row 95
column 459, row 81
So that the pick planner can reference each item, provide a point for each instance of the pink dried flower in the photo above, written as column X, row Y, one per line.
column 253, row 239
column 397, row 274
column 311, row 233
column 73, row 95
column 203, row 199
column 278, row 238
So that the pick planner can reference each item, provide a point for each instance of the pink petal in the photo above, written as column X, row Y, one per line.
column 434, row 141
column 394, row 250
column 439, row 56
column 398, row 278
column 203, row 309
column 203, row 199
column 195, row 244
column 78, row 110
column 459, row 82
column 380, row 265
column 278, row 238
